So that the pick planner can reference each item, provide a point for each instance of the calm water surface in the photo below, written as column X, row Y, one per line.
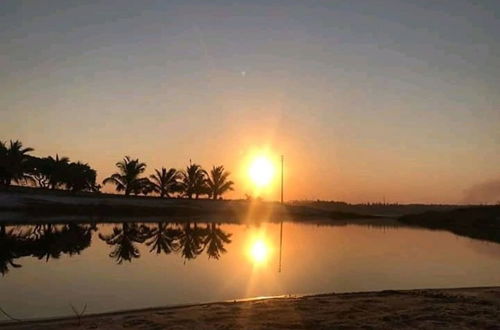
column 109, row 267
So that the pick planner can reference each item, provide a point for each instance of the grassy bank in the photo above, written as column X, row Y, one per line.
column 40, row 202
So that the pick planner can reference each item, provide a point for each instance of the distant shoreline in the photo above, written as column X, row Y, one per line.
column 36, row 202
column 20, row 203
column 477, row 307
column 479, row 222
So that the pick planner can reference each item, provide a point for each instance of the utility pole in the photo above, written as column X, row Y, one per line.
column 282, row 161
column 281, row 223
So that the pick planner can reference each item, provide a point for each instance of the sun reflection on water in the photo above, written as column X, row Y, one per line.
column 259, row 251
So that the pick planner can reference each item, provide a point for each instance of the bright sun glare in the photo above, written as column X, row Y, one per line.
column 259, row 251
column 261, row 171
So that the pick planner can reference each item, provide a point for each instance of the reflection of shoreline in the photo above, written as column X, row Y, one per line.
column 52, row 241
column 188, row 239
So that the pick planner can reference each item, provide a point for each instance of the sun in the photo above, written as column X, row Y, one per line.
column 261, row 171
column 259, row 251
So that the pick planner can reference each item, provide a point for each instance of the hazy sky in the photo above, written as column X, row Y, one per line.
column 365, row 98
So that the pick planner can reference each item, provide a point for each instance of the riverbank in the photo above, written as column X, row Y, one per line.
column 479, row 222
column 30, row 202
column 467, row 308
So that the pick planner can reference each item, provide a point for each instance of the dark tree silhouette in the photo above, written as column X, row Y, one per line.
column 80, row 177
column 164, row 239
column 217, row 182
column 51, row 241
column 57, row 169
column 39, row 170
column 194, row 181
column 165, row 181
column 215, row 239
column 191, row 241
column 56, row 173
column 123, row 240
column 10, row 249
column 145, row 186
column 13, row 163
column 128, row 178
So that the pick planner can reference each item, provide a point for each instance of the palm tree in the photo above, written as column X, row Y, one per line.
column 217, row 182
column 3, row 163
column 215, row 239
column 165, row 181
column 13, row 162
column 194, row 181
column 127, row 179
column 57, row 170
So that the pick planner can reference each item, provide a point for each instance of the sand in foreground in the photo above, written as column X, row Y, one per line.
column 474, row 308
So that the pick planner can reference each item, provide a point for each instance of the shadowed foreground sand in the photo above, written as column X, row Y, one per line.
column 474, row 308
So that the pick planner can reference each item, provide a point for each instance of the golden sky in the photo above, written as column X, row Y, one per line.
column 365, row 101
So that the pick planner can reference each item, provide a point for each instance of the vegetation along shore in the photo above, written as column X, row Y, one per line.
column 18, row 166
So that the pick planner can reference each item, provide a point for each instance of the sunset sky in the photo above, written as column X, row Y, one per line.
column 365, row 99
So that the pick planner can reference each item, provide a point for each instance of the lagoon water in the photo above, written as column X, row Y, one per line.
column 115, row 266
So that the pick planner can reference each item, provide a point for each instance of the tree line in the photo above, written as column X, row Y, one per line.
column 18, row 166
column 51, row 241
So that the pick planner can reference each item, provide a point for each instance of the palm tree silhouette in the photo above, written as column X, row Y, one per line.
column 165, row 181
column 57, row 170
column 13, row 162
column 164, row 239
column 194, row 181
column 191, row 241
column 217, row 182
column 123, row 239
column 127, row 179
column 215, row 239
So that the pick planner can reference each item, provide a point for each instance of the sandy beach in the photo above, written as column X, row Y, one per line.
column 468, row 308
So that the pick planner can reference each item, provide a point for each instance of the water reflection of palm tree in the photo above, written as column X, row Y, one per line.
column 164, row 238
column 49, row 241
column 45, row 243
column 9, row 249
column 191, row 241
column 214, row 240
column 124, row 238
